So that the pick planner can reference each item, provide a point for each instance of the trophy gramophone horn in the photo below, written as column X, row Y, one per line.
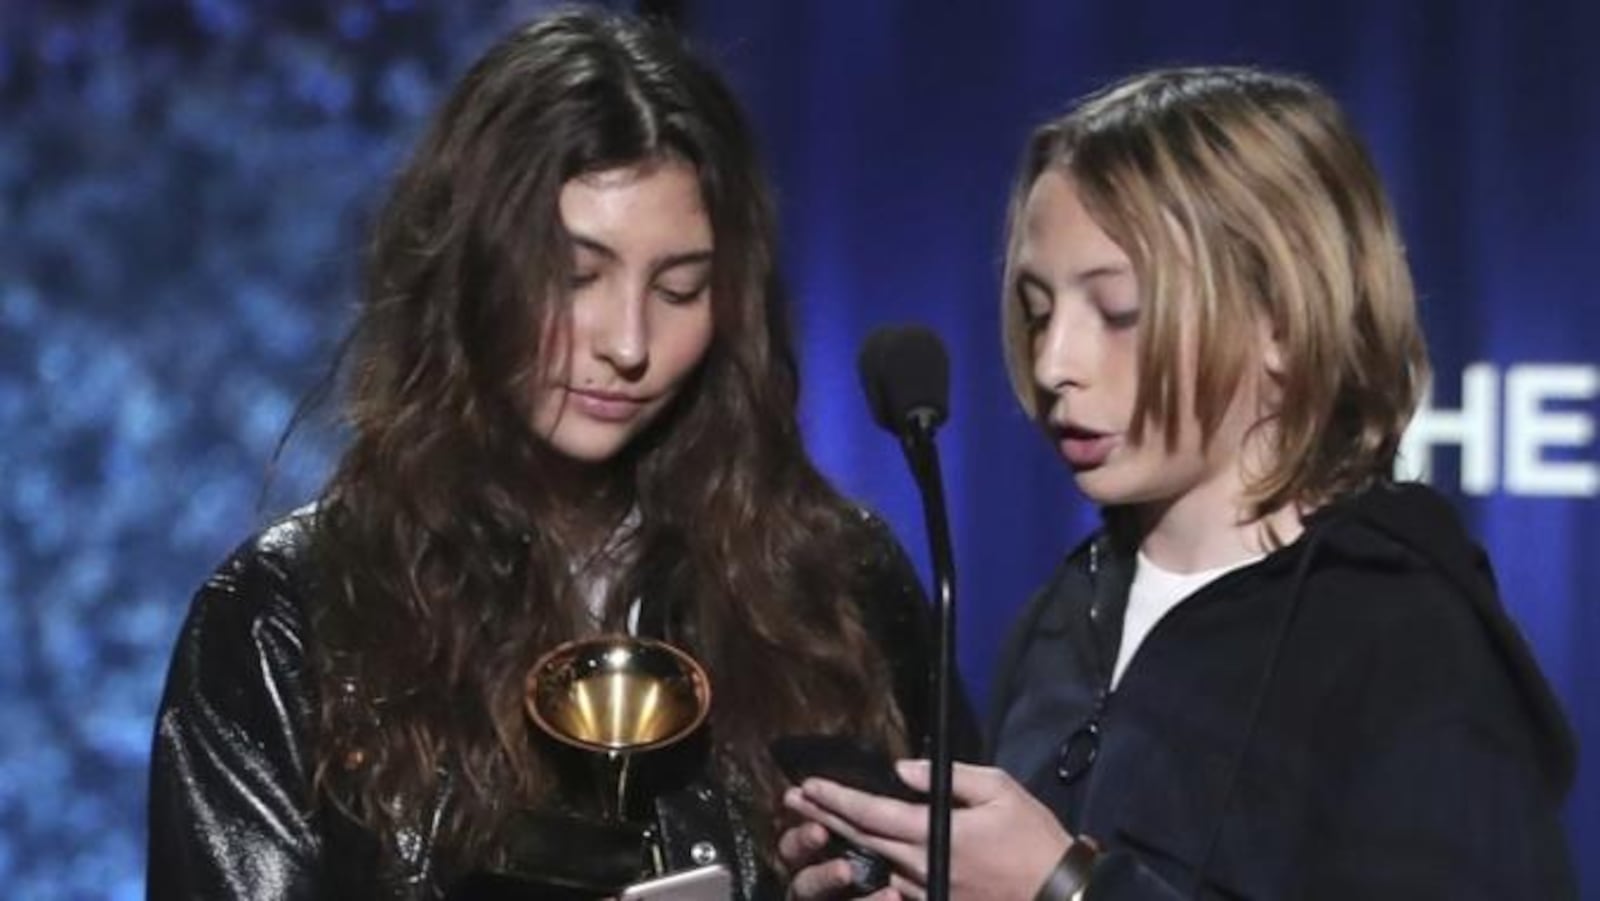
column 617, row 695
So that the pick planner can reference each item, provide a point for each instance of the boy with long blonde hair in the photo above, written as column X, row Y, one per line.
column 1276, row 672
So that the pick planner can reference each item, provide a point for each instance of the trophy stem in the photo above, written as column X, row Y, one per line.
column 614, row 768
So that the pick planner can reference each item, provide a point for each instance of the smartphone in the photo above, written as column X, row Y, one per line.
column 844, row 761
column 711, row 882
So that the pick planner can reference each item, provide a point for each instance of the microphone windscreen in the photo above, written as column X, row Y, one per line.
column 905, row 372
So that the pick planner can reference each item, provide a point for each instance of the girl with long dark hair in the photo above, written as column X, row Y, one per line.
column 571, row 398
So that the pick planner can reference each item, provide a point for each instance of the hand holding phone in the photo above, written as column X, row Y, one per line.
column 848, row 763
column 844, row 761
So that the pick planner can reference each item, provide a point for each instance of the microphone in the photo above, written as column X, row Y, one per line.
column 905, row 375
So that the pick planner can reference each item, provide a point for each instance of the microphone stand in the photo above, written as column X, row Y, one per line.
column 922, row 454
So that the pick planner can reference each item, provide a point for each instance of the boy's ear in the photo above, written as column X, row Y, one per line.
column 1272, row 356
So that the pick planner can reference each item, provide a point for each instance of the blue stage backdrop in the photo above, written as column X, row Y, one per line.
column 182, row 192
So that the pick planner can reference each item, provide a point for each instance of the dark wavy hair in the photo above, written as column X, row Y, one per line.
column 441, row 537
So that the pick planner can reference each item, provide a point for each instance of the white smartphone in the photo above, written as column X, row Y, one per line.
column 712, row 882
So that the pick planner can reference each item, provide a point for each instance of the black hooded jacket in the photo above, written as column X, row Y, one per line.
column 1353, row 716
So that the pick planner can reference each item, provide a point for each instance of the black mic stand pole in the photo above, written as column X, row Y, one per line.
column 922, row 453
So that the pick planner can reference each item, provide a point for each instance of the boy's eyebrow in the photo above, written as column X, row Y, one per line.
column 1107, row 271
column 1030, row 278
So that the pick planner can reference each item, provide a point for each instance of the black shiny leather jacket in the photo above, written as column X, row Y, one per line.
column 232, row 812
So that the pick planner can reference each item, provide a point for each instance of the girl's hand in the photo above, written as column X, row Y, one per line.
column 815, row 876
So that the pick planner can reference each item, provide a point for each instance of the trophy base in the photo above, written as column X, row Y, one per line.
column 561, row 855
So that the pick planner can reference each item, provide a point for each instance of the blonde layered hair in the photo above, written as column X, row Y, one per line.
column 1244, row 199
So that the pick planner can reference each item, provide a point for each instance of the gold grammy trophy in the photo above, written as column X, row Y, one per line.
column 613, row 697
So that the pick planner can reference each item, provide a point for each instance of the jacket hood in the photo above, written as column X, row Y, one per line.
column 1421, row 520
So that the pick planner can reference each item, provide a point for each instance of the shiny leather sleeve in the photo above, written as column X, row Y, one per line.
column 231, row 808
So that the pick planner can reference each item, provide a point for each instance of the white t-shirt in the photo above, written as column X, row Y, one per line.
column 1154, row 593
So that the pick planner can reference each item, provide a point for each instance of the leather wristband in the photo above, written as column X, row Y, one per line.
column 1070, row 877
